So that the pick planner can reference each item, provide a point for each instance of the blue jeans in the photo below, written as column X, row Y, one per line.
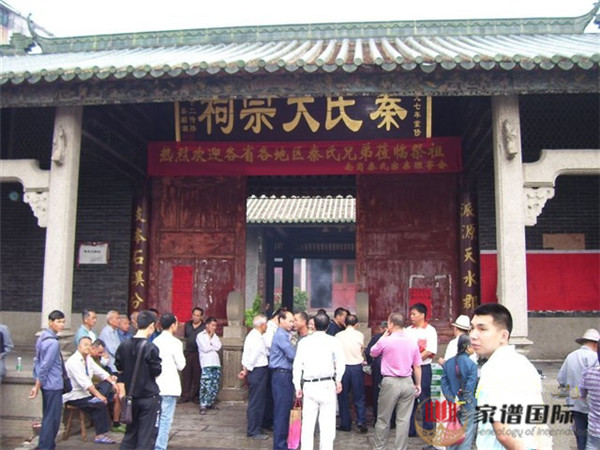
column 51, row 415
column 352, row 380
column 167, row 411
column 580, row 427
column 283, row 401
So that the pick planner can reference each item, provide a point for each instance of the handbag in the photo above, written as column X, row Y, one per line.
column 295, row 429
column 126, row 415
column 453, row 432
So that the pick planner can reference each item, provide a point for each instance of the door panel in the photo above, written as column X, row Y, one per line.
column 407, row 236
column 197, row 223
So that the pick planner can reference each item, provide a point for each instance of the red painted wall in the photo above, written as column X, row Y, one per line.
column 556, row 281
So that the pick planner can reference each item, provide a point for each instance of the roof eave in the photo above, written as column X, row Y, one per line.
column 566, row 25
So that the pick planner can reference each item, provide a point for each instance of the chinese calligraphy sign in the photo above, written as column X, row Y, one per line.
column 301, row 118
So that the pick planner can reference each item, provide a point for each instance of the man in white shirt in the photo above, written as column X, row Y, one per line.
column 81, row 368
column 209, row 345
column 461, row 326
column 110, row 336
column 318, row 370
column 426, row 337
column 509, row 393
column 353, row 344
column 255, row 363
column 170, row 350
column 569, row 377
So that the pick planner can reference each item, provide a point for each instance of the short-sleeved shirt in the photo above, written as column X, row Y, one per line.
column 426, row 338
column 353, row 343
column 510, row 382
column 399, row 354
column 570, row 375
column 590, row 388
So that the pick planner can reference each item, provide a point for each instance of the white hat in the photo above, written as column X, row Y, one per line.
column 590, row 335
column 463, row 322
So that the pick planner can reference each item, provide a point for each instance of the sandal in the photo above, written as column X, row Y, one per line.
column 104, row 440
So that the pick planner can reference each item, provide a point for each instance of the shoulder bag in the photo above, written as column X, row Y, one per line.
column 126, row 416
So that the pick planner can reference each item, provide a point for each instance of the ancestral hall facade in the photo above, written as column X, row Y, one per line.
column 470, row 148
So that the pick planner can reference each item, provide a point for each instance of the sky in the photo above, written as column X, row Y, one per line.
column 87, row 17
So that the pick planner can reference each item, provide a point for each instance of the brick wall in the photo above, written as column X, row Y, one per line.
column 26, row 134
column 104, row 214
column 552, row 122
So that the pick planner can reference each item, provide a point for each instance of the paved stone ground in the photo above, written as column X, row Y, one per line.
column 225, row 429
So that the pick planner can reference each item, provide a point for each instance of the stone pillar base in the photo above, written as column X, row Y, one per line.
column 233, row 388
column 522, row 344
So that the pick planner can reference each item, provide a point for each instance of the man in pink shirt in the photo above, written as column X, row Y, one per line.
column 400, row 360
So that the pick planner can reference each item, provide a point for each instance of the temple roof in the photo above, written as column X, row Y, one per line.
column 505, row 44
column 300, row 210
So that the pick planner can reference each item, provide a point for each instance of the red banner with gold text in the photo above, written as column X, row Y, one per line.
column 391, row 156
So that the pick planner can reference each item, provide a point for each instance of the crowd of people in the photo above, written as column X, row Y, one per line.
column 137, row 356
column 318, row 362
column 486, row 382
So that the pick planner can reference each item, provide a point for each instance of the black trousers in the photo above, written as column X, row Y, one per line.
column 98, row 411
column 268, row 416
column 141, row 434
column 257, row 399
column 190, row 377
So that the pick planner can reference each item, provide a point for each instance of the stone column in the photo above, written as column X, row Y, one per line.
column 232, row 345
column 62, row 212
column 362, row 312
column 510, row 221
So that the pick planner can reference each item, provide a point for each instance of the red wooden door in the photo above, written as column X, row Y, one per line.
column 344, row 284
column 198, row 243
column 407, row 238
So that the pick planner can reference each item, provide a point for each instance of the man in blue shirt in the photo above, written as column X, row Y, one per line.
column 281, row 360
column 47, row 372
column 110, row 336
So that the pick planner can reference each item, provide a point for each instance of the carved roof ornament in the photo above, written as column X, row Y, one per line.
column 59, row 145
column 509, row 139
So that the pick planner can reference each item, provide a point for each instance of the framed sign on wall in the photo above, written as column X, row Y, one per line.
column 92, row 253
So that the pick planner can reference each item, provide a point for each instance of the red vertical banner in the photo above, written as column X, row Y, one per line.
column 181, row 292
column 138, row 285
column 469, row 254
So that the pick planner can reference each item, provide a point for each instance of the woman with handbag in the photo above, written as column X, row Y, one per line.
column 459, row 382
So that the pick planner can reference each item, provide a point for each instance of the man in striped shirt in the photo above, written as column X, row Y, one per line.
column 590, row 390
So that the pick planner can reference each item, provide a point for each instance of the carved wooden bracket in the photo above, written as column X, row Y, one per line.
column 35, row 182
column 539, row 177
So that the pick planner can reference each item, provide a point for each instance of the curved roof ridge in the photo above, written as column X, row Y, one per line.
column 351, row 30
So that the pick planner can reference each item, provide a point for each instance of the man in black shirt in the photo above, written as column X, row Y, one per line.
column 338, row 323
column 146, row 399
column 190, row 375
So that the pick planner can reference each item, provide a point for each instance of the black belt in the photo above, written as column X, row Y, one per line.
column 283, row 370
column 317, row 379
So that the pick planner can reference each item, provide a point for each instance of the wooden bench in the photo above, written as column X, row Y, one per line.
column 70, row 411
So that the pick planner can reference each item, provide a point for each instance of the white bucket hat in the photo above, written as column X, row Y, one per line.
column 463, row 322
column 590, row 334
